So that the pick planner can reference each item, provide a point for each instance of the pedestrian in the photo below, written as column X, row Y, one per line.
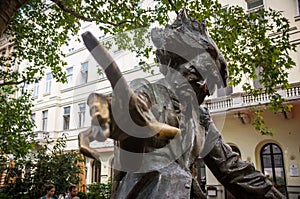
column 49, row 192
column 73, row 190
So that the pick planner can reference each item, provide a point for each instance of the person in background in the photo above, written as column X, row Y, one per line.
column 49, row 192
column 73, row 190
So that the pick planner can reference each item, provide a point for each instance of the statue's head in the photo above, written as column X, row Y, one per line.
column 185, row 46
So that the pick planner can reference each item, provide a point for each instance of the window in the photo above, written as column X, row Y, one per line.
column 66, row 118
column 36, row 90
column 48, row 82
column 298, row 7
column 84, row 72
column 256, row 82
column 201, row 173
column 13, row 66
column 101, row 37
column 96, row 171
column 112, row 168
column 251, row 4
column 81, row 115
column 272, row 165
column 33, row 119
column 45, row 120
column 25, row 87
column 69, row 76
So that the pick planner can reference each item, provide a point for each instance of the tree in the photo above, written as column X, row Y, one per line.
column 15, row 123
column 47, row 164
column 38, row 29
column 99, row 190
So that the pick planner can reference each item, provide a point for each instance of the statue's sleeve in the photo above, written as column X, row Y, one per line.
column 237, row 176
column 212, row 134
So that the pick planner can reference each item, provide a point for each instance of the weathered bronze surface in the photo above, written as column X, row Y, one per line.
column 160, row 129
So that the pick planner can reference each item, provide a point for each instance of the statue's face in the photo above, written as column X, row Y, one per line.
column 187, row 73
column 180, row 73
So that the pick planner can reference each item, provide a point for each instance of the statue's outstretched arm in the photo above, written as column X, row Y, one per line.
column 124, row 109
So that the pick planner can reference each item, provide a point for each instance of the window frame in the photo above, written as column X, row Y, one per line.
column 84, row 72
column 48, row 83
column 81, row 114
column 256, row 82
column 33, row 117
column 36, row 89
column 69, row 74
column 66, row 118
column 271, row 154
column 45, row 120
column 96, row 171
column 298, row 7
column 255, row 6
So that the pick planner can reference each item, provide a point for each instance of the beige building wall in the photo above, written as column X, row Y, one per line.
column 286, row 132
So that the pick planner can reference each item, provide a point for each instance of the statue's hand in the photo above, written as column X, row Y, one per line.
column 100, row 125
column 142, row 116
column 205, row 119
column 100, row 116
column 101, row 119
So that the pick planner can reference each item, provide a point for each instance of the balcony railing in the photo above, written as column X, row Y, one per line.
column 293, row 91
column 239, row 100
column 219, row 104
column 249, row 99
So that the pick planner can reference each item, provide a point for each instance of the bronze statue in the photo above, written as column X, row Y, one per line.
column 160, row 129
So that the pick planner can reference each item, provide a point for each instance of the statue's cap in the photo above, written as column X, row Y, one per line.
column 188, row 38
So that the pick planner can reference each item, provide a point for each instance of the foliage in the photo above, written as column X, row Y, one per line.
column 47, row 164
column 99, row 190
column 82, row 195
column 15, row 123
column 5, row 196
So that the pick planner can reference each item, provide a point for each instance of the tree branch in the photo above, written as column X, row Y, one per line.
column 173, row 6
column 60, row 4
column 7, row 10
column 12, row 83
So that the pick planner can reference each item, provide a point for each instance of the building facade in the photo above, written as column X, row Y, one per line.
column 277, row 156
column 61, row 108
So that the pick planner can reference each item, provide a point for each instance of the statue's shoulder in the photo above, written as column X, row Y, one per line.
column 140, row 83
column 158, row 92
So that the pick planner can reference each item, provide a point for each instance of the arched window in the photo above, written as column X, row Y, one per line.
column 96, row 171
column 112, row 168
column 272, row 165
column 201, row 174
